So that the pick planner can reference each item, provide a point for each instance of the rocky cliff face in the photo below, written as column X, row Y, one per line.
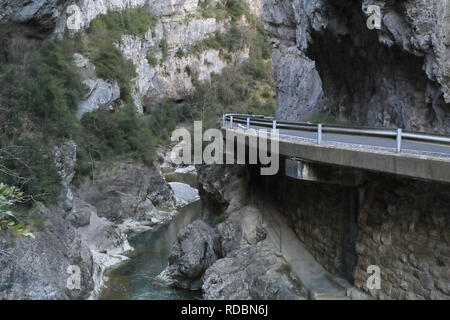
column 328, row 60
column 165, row 63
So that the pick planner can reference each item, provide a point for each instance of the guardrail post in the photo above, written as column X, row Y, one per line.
column 248, row 123
column 231, row 121
column 224, row 120
column 319, row 133
column 274, row 126
column 399, row 140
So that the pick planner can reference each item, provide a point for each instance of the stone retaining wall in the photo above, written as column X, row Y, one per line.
column 398, row 224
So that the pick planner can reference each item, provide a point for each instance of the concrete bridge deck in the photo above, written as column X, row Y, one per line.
column 428, row 161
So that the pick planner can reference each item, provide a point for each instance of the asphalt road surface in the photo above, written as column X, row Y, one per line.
column 384, row 142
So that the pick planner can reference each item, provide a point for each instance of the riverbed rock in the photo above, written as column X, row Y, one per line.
column 252, row 272
column 126, row 189
column 99, row 233
column 194, row 251
column 191, row 255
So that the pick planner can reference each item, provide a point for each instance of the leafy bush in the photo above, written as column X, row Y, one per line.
column 236, row 8
column 38, row 105
column 122, row 133
column 47, row 90
column 30, row 164
column 258, row 68
column 180, row 53
column 9, row 196
column 232, row 40
column 132, row 21
column 111, row 65
column 164, row 48
column 152, row 60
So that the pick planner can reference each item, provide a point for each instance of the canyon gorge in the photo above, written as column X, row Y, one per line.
column 89, row 98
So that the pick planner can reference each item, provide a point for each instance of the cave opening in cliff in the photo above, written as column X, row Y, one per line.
column 366, row 82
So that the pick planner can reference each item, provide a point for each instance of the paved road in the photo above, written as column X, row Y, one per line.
column 385, row 142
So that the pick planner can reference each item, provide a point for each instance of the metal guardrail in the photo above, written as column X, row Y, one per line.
column 398, row 134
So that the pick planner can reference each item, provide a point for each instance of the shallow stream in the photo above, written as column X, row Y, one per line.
column 134, row 279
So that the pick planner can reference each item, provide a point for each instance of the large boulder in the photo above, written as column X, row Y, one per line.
column 81, row 212
column 191, row 255
column 253, row 272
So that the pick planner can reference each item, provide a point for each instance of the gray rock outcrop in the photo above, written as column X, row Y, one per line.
column 227, row 236
column 250, row 273
column 126, row 189
column 101, row 93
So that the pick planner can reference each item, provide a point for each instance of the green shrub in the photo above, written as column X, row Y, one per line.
column 188, row 70
column 236, row 8
column 131, row 21
column 39, row 99
column 122, row 133
column 232, row 40
column 164, row 48
column 30, row 165
column 267, row 92
column 180, row 53
column 48, row 91
column 152, row 60
column 219, row 219
column 9, row 196
column 111, row 65
column 258, row 68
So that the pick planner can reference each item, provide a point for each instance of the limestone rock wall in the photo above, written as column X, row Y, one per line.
column 179, row 26
column 327, row 60
column 172, row 77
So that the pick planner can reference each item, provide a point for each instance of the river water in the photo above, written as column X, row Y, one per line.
column 134, row 279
